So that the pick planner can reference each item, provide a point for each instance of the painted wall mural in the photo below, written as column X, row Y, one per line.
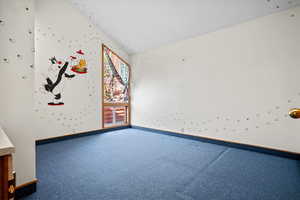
column 60, row 72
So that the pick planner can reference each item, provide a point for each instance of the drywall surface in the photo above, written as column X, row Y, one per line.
column 31, row 33
column 16, row 82
column 235, row 84
column 61, row 31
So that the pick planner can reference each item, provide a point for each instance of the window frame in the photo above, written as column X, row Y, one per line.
column 128, row 105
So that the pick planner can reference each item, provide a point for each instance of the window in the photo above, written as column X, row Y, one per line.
column 115, row 89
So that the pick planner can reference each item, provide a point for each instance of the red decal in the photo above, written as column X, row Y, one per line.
column 54, row 104
column 80, row 52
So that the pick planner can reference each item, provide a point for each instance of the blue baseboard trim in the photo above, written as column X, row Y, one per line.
column 76, row 135
column 286, row 154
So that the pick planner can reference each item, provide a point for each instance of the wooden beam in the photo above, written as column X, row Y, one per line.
column 4, row 167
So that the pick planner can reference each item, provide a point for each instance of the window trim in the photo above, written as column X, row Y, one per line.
column 128, row 118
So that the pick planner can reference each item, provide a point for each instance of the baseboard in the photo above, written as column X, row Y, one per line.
column 26, row 189
column 76, row 135
column 260, row 149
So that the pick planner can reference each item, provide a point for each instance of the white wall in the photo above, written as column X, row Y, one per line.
column 235, row 84
column 60, row 31
column 57, row 29
column 16, row 82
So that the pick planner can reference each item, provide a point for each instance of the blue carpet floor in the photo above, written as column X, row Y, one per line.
column 133, row 164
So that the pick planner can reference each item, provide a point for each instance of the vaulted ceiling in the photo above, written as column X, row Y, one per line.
column 139, row 25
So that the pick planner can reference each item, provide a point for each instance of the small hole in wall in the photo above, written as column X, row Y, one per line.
column 27, row 9
column 5, row 60
column 277, row 6
column 11, row 40
column 292, row 15
column 19, row 56
column 30, row 31
column 1, row 22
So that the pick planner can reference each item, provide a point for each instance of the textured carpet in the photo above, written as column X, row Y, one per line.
column 139, row 165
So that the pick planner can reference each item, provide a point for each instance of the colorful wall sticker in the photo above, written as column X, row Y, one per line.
column 60, row 72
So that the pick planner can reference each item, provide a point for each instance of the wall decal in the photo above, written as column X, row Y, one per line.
column 79, row 67
column 60, row 71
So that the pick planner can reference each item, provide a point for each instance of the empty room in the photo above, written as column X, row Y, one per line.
column 150, row 100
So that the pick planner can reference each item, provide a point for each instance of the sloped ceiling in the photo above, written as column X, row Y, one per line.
column 139, row 25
